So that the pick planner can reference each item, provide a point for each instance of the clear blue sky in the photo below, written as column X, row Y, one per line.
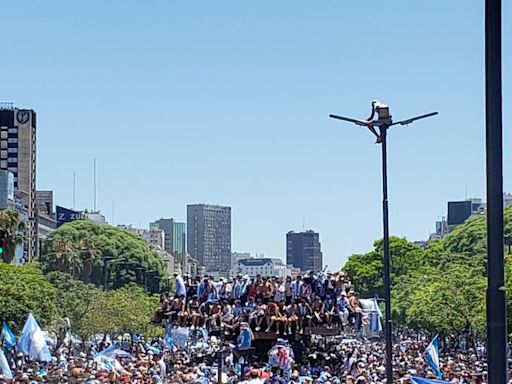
column 227, row 102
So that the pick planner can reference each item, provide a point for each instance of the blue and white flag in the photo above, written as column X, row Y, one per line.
column 432, row 356
column 5, row 370
column 421, row 380
column 180, row 337
column 8, row 337
column 32, row 341
column 180, row 287
column 205, row 335
column 109, row 352
column 150, row 348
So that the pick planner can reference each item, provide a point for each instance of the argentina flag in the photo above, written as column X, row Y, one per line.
column 432, row 356
column 32, row 341
column 8, row 337
column 5, row 370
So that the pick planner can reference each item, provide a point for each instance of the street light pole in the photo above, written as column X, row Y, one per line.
column 383, row 122
column 496, row 302
column 387, row 256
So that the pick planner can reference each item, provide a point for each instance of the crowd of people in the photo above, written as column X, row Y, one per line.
column 323, row 361
column 266, row 304
column 209, row 337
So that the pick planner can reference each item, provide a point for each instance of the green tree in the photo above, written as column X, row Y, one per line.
column 103, row 255
column 451, row 301
column 74, row 300
column 24, row 289
column 125, row 310
column 13, row 227
column 367, row 270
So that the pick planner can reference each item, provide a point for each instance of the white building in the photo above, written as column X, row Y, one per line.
column 235, row 258
column 265, row 267
column 95, row 216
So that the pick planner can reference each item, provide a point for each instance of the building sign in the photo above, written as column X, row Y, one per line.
column 65, row 215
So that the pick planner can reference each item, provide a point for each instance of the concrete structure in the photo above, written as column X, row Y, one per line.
column 303, row 250
column 95, row 216
column 18, row 155
column 166, row 225
column 507, row 199
column 179, row 239
column 209, row 236
column 46, row 224
column 235, row 258
column 155, row 238
column 44, row 202
column 7, row 200
column 265, row 267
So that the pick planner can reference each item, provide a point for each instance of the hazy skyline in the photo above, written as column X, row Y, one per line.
column 227, row 103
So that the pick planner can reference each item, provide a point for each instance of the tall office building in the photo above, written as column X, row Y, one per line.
column 166, row 225
column 303, row 250
column 209, row 236
column 179, row 239
column 18, row 155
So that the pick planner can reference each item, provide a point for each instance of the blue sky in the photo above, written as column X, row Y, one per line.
column 227, row 102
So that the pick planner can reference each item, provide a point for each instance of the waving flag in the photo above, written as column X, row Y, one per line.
column 8, row 337
column 32, row 341
column 180, row 287
column 420, row 380
column 432, row 356
column 5, row 370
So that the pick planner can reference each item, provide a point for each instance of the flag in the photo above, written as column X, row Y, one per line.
column 169, row 341
column 204, row 332
column 432, row 356
column 8, row 337
column 154, row 350
column 421, row 380
column 180, row 287
column 4, row 366
column 109, row 351
column 32, row 341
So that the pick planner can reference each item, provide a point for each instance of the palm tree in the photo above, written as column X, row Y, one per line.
column 64, row 257
column 90, row 255
column 13, row 228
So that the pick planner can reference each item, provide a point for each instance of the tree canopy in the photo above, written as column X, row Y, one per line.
column 24, row 289
column 440, row 289
column 103, row 255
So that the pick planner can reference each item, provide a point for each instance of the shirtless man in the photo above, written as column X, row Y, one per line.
column 271, row 315
column 318, row 310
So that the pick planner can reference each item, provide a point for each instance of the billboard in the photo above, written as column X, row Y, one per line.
column 65, row 215
column 458, row 211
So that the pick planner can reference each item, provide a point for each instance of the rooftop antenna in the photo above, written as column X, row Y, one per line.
column 466, row 190
column 94, row 205
column 74, row 190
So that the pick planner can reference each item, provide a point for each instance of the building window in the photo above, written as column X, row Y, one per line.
column 12, row 130
column 3, row 164
column 12, row 150
column 12, row 159
column 3, row 144
column 3, row 135
column 3, row 154
column 12, row 140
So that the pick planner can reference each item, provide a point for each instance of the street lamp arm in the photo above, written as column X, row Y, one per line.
column 412, row 119
column 350, row 120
